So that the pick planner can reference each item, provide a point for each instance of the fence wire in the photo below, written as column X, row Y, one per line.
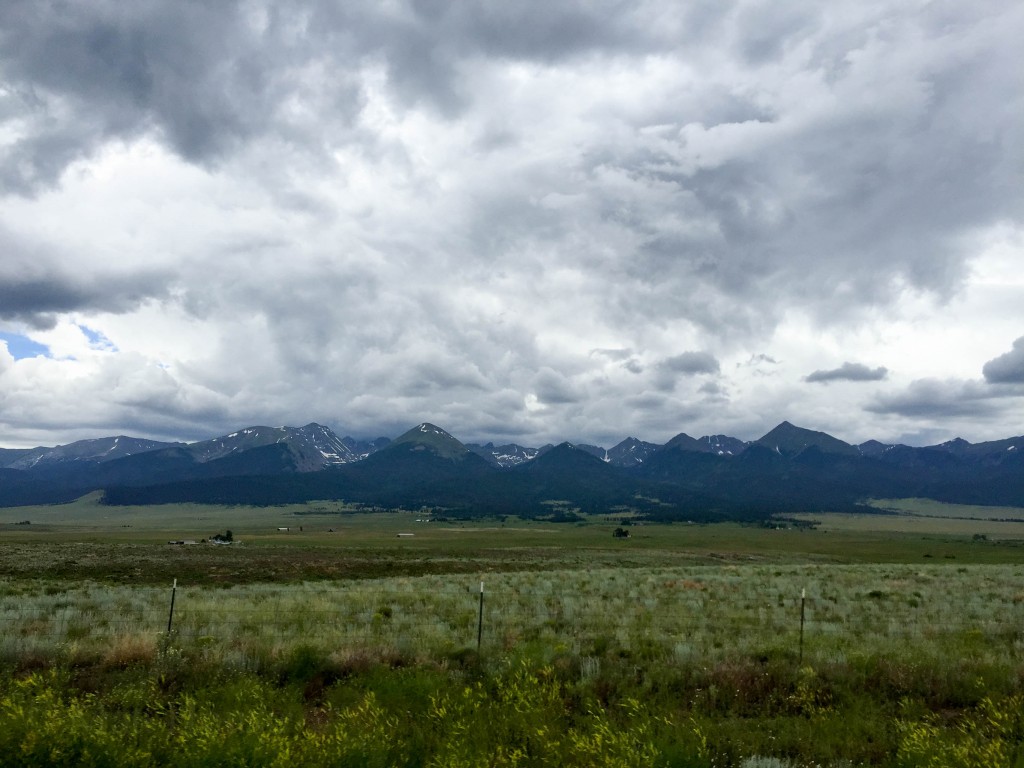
column 685, row 619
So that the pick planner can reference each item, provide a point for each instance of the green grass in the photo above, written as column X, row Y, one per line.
column 682, row 613
column 678, row 646
column 327, row 540
column 1005, row 531
column 931, row 508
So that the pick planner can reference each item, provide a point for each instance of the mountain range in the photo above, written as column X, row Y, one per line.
column 712, row 477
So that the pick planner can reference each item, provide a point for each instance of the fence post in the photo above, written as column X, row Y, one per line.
column 480, row 621
column 170, row 616
column 803, row 599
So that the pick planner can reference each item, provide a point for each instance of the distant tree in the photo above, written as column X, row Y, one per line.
column 620, row 533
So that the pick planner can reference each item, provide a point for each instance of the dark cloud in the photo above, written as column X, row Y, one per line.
column 669, row 372
column 938, row 398
column 428, row 45
column 38, row 283
column 38, row 303
column 552, row 388
column 714, row 389
column 848, row 372
column 765, row 31
column 203, row 77
column 1007, row 368
column 691, row 363
column 209, row 76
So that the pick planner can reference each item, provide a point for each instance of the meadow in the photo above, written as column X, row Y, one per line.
column 340, row 642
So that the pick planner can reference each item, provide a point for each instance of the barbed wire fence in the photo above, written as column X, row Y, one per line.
column 681, row 619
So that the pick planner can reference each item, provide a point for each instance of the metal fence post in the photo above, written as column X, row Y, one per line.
column 170, row 616
column 803, row 600
column 480, row 621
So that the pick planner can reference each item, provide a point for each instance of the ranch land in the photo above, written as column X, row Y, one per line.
column 321, row 634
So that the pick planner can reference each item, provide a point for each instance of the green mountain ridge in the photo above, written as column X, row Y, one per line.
column 789, row 469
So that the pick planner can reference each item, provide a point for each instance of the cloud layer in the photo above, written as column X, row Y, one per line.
column 523, row 221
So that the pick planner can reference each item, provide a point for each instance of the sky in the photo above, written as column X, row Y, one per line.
column 523, row 222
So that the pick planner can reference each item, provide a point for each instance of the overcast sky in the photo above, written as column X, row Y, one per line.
column 522, row 221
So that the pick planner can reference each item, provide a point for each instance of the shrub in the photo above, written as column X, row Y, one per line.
column 990, row 737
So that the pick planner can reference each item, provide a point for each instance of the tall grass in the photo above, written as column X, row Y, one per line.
column 974, row 613
column 650, row 666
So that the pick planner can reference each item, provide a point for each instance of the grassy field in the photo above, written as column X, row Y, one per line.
column 1004, row 531
column 889, row 639
column 929, row 508
column 328, row 540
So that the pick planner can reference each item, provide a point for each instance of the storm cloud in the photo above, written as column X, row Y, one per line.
column 531, row 220
column 942, row 398
column 1008, row 368
column 848, row 372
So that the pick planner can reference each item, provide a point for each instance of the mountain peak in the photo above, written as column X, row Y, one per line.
column 723, row 445
column 956, row 445
column 98, row 450
column 565, row 456
column 509, row 455
column 788, row 440
column 427, row 436
column 312, row 447
column 631, row 452
column 428, row 428
column 683, row 442
column 873, row 448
